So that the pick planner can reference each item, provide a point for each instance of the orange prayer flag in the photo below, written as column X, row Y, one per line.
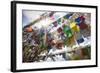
column 29, row 29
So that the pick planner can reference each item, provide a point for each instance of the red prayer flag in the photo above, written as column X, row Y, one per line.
column 83, row 26
column 59, row 30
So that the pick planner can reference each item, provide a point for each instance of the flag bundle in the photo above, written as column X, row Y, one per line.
column 74, row 26
column 81, row 22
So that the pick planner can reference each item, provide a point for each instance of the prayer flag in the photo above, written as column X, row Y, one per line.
column 81, row 40
column 67, row 31
column 80, row 20
column 55, row 24
column 29, row 29
column 74, row 27
column 83, row 26
column 59, row 30
column 59, row 21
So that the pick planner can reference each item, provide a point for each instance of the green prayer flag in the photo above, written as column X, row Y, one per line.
column 67, row 31
column 59, row 21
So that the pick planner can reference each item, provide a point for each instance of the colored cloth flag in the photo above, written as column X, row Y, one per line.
column 80, row 20
column 52, row 18
column 66, row 28
column 59, row 30
column 67, row 31
column 74, row 27
column 83, row 26
column 81, row 40
column 51, row 14
column 29, row 29
column 59, row 21
column 55, row 24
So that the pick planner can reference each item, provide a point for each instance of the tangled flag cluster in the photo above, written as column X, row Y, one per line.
column 69, row 26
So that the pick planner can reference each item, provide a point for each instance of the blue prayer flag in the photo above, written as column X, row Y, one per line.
column 81, row 40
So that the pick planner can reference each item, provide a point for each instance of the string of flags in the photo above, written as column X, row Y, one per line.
column 79, row 22
column 69, row 28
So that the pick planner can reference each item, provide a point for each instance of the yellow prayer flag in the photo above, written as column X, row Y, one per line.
column 74, row 27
